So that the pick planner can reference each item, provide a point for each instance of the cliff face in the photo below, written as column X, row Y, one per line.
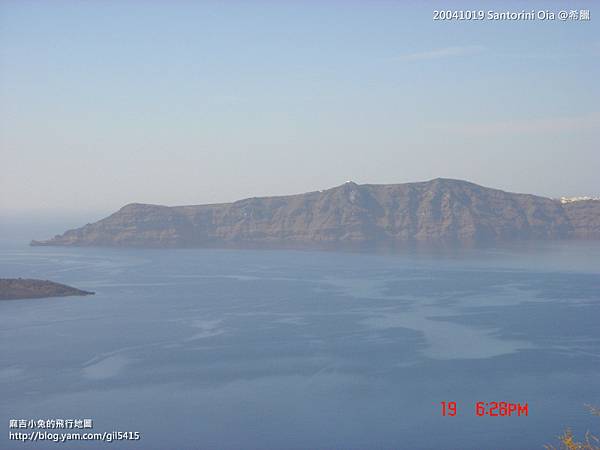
column 437, row 211
column 584, row 217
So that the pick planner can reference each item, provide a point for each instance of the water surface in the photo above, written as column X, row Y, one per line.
column 295, row 350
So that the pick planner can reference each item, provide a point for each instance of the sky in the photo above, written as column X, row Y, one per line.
column 104, row 103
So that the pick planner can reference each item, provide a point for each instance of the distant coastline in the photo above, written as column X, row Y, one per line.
column 439, row 211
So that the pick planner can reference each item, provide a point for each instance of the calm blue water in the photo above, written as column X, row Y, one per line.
column 223, row 349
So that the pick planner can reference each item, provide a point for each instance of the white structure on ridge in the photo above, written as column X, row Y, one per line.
column 577, row 199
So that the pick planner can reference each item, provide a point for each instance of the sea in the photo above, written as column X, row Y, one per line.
column 247, row 349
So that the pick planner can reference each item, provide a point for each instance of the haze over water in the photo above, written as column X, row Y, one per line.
column 279, row 349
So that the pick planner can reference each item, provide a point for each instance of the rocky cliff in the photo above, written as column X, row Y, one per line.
column 437, row 211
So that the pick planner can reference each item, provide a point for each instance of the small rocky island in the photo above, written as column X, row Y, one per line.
column 20, row 288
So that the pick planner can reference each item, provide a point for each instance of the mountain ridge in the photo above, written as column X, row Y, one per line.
column 441, row 210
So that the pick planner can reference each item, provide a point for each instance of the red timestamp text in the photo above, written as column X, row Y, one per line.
column 501, row 409
column 489, row 409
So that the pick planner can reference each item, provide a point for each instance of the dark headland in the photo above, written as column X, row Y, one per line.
column 20, row 288
column 438, row 211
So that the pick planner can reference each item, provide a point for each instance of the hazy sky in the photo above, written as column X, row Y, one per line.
column 103, row 103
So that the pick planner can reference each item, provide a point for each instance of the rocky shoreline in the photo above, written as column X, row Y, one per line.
column 22, row 288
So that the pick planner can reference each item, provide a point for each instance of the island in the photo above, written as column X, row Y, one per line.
column 21, row 288
column 439, row 211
